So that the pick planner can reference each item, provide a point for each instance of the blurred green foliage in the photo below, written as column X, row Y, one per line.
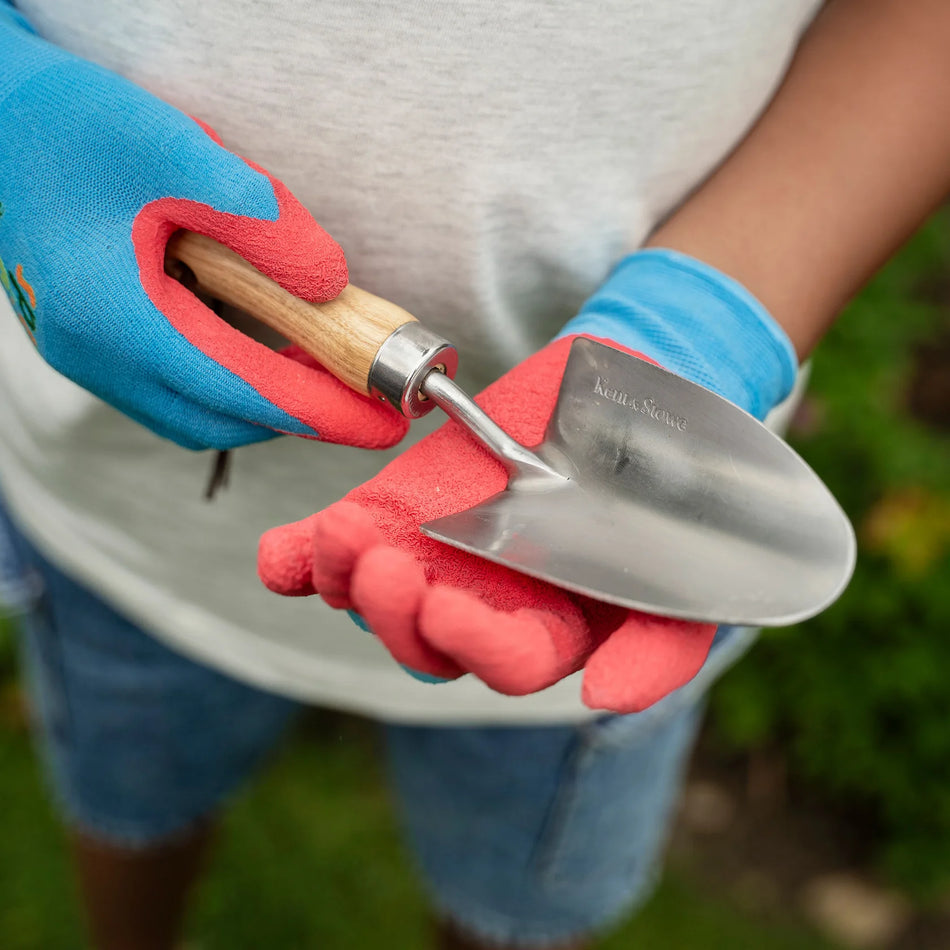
column 859, row 697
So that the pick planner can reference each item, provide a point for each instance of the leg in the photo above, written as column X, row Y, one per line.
column 135, row 899
column 540, row 836
column 141, row 746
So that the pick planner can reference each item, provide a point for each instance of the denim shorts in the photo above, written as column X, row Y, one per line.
column 525, row 835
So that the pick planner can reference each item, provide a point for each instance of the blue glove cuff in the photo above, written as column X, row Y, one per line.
column 695, row 321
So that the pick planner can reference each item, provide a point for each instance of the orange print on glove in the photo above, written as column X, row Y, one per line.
column 22, row 297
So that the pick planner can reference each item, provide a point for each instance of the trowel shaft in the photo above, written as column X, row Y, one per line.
column 522, row 464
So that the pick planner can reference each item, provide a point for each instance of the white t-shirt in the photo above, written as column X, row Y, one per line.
column 483, row 164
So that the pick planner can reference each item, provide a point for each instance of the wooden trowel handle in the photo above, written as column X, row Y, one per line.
column 344, row 335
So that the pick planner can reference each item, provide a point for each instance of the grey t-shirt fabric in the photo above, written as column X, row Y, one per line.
column 482, row 164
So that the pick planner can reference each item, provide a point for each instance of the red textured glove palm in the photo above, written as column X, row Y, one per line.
column 445, row 612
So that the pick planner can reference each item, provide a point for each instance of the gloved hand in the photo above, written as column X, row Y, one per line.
column 96, row 174
column 442, row 611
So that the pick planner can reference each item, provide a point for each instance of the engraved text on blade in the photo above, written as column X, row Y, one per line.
column 647, row 405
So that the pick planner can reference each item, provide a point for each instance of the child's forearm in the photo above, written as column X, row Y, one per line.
column 851, row 154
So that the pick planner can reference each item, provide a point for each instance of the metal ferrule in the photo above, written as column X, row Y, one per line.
column 404, row 360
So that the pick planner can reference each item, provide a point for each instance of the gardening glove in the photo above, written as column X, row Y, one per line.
column 96, row 175
column 442, row 611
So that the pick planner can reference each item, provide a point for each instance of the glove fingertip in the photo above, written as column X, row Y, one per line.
column 644, row 661
column 357, row 419
column 513, row 653
column 295, row 250
column 284, row 558
column 388, row 587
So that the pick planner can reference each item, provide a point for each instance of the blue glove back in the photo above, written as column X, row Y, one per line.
column 696, row 322
column 95, row 176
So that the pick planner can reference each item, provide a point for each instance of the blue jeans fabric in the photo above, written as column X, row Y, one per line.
column 535, row 836
column 529, row 835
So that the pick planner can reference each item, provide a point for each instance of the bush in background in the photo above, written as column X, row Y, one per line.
column 858, row 697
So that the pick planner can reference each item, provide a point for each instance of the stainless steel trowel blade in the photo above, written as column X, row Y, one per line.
column 677, row 503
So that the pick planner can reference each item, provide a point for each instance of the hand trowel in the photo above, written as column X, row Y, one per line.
column 648, row 491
